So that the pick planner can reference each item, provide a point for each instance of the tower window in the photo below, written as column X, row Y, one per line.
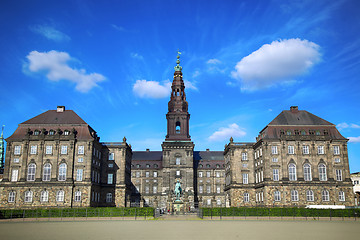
column 177, row 127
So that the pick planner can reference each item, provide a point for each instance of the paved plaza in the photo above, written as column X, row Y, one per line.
column 177, row 229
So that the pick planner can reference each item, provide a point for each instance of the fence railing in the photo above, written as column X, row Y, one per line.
column 295, row 213
column 65, row 213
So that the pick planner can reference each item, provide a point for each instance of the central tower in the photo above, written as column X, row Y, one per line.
column 178, row 162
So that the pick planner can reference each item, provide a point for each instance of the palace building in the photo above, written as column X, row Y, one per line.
column 56, row 159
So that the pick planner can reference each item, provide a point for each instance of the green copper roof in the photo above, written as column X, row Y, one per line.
column 178, row 67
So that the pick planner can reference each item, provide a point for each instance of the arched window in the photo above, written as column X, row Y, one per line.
column 309, row 196
column 200, row 165
column 44, row 197
column 62, row 172
column 109, row 197
column 325, row 195
column 60, row 196
column 12, row 195
column 277, row 196
column 47, row 172
column 246, row 197
column 28, row 196
column 307, row 172
column 292, row 172
column 178, row 127
column 31, row 172
column 36, row 132
column 322, row 172
column 294, row 195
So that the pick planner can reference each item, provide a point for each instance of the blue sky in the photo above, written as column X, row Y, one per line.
column 243, row 62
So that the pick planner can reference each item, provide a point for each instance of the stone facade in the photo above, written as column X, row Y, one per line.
column 355, row 178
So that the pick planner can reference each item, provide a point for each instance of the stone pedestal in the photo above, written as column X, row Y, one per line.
column 178, row 206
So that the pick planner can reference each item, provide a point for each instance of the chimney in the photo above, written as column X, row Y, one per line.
column 147, row 150
column 294, row 109
column 207, row 149
column 60, row 109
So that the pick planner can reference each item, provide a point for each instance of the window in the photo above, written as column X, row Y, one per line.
column 108, row 197
column 155, row 174
column 63, row 149
column 309, row 196
column 341, row 196
column 294, row 195
column 28, row 196
column 177, row 161
column 338, row 175
column 274, row 150
column 138, row 165
column 208, row 201
column 147, row 189
column 60, row 196
column 200, row 165
column 62, row 172
column 244, row 165
column 208, row 173
column 207, row 165
column 79, row 175
column 292, row 172
column 200, row 174
column 51, row 132
column 36, row 132
column 322, row 172
column 81, row 149
column 246, row 197
column 137, row 174
column 31, row 172
column 66, row 132
column 154, row 189
column 245, row 177
column 218, row 202
column 47, row 172
column 208, row 189
column 218, row 189
column 147, row 165
column 288, row 132
column 48, row 150
column 274, row 160
column 276, row 174
column 16, row 160
column 305, row 149
column 277, row 196
column 244, row 156
column 12, row 195
column 17, row 150
column 337, row 160
column 147, row 174
column 336, row 150
column 14, row 175
column 80, row 159
column 201, row 189
column 177, row 172
column 325, row 195
column 320, row 149
column 290, row 149
column 33, row 149
column 303, row 132
column 156, row 166
column 44, row 196
column 110, row 178
column 307, row 172
column 77, row 196
column 111, row 156
column 217, row 174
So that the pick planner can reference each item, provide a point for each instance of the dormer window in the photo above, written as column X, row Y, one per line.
column 51, row 132
column 317, row 132
column 296, row 132
column 303, row 132
column 147, row 165
column 66, row 132
column 36, row 132
column 138, row 166
column 288, row 132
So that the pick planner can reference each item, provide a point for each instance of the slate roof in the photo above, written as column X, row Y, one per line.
column 54, row 117
column 300, row 117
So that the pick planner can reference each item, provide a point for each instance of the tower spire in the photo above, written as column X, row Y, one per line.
column 2, row 150
column 178, row 116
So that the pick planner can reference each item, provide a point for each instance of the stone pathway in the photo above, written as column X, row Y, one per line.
column 176, row 217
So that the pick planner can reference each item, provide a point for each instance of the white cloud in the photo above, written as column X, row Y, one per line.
column 213, row 61
column 55, row 64
column 224, row 133
column 196, row 73
column 277, row 62
column 189, row 85
column 344, row 125
column 50, row 33
column 354, row 139
column 152, row 89
column 137, row 56
column 119, row 28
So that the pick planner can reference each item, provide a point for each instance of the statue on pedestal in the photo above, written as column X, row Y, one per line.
column 178, row 190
